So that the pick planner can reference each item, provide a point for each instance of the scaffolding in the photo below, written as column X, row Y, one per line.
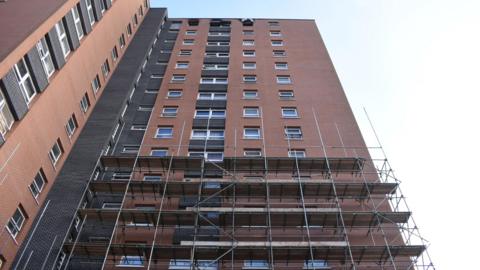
column 326, row 212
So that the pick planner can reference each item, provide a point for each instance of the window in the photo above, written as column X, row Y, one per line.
column 218, row 43
column 293, row 133
column 178, row 78
column 217, row 54
column 45, row 57
column 71, row 125
column 131, row 260
column 131, row 149
column 175, row 25
column 248, row 42
column 217, row 34
column 249, row 65
column 251, row 133
column 152, row 177
column 151, row 91
column 37, row 184
column 164, row 133
column 210, row 156
column 138, row 127
column 285, row 94
column 289, row 112
column 174, row 93
column 275, row 34
column 214, row 80
column 56, row 152
column 135, row 20
column 114, row 54
column 24, row 80
column 215, row 66
column 156, row 76
column 249, row 78
column 96, row 84
column 84, row 103
column 281, row 65
column 145, row 108
column 91, row 17
column 255, row 264
column 188, row 42
column 15, row 223
column 181, row 65
column 212, row 96
column 105, row 69
column 273, row 23
column 277, row 43
column 102, row 6
column 248, row 32
column 206, row 134
column 297, row 153
column 190, row 32
column 123, row 176
column 159, row 152
column 62, row 37
column 279, row 53
column 185, row 53
column 252, row 152
column 315, row 264
column 129, row 29
column 169, row 111
column 210, row 113
column 111, row 205
column 250, row 94
column 282, row 79
column 121, row 41
column 6, row 117
column 251, row 112
column 185, row 264
column 77, row 22
column 248, row 53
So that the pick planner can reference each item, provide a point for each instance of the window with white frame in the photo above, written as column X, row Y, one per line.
column 210, row 113
column 37, row 184
column 249, row 53
column 208, row 134
column 285, row 94
column 178, row 78
column 45, row 57
column 284, row 79
column 279, row 53
column 188, row 42
column 249, row 78
column 122, row 176
column 24, row 80
column 131, row 261
column 185, row 264
column 249, row 65
column 71, row 125
column 281, row 65
column 212, row 96
column 276, row 43
column 165, row 132
column 138, row 127
column 174, row 94
column 16, row 221
column 315, row 264
column 251, row 133
column 190, row 32
column 218, row 34
column 91, row 16
column 275, row 33
column 250, row 94
column 130, row 149
column 297, row 153
column 105, row 69
column 152, row 177
column 95, row 84
column 62, row 38
column 293, row 133
column 77, row 22
column 111, row 205
column 55, row 152
column 129, row 30
column 218, row 43
column 215, row 66
column 214, row 80
column 255, row 264
column 159, row 152
column 252, row 152
column 248, row 42
column 273, row 23
column 217, row 54
column 6, row 117
column 102, row 6
column 251, row 112
column 248, row 32
column 210, row 156
column 169, row 111
column 181, row 65
column 289, row 112
column 114, row 54
column 85, row 103
column 185, row 53
column 121, row 41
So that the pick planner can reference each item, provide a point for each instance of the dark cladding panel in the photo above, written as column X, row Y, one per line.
column 215, row 60
column 38, row 72
column 154, row 83
column 217, row 49
column 71, row 31
column 84, row 17
column 108, row 3
column 14, row 95
column 213, row 87
column 214, row 104
column 215, row 73
column 56, row 48
column 97, row 8
column 164, row 57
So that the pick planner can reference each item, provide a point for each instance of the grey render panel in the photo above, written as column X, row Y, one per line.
column 215, row 60
column 215, row 73
column 14, row 95
column 67, row 191
column 108, row 3
column 97, row 9
column 214, row 104
column 218, row 38
column 217, row 49
column 219, row 29
column 38, row 72
column 71, row 31
column 56, row 48
column 212, row 87
column 84, row 17
column 213, row 123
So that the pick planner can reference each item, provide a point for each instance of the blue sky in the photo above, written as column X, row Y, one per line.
column 415, row 67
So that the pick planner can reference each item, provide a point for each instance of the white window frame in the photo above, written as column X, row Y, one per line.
column 279, row 53
column 214, row 80
column 256, row 264
column 62, row 38
column 252, row 152
column 191, row 32
column 215, row 66
column 287, row 115
column 294, row 153
column 218, row 43
column 45, row 57
column 77, row 22
column 114, row 54
column 185, row 53
column 293, row 133
column 281, row 79
column 95, row 84
column 124, row 261
column 281, row 65
column 130, row 148
column 249, row 65
column 206, row 155
column 248, row 42
column 15, row 223
column 249, row 53
column 24, row 80
column 71, row 126
column 138, row 127
column 281, row 94
column 249, row 78
column 91, row 16
column 35, row 187
column 171, row 96
column 121, row 41
column 208, row 134
column 182, row 65
column 51, row 153
column 105, row 68
column 275, row 33
column 6, row 117
column 250, row 115
column 211, row 114
column 276, row 43
column 166, row 135
column 217, row 54
column 121, row 176
column 245, row 92
column 257, row 136
column 165, row 112
column 188, row 42
column 218, row 34
column 84, row 103
column 178, row 78
column 153, row 178
column 212, row 96
column 159, row 150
